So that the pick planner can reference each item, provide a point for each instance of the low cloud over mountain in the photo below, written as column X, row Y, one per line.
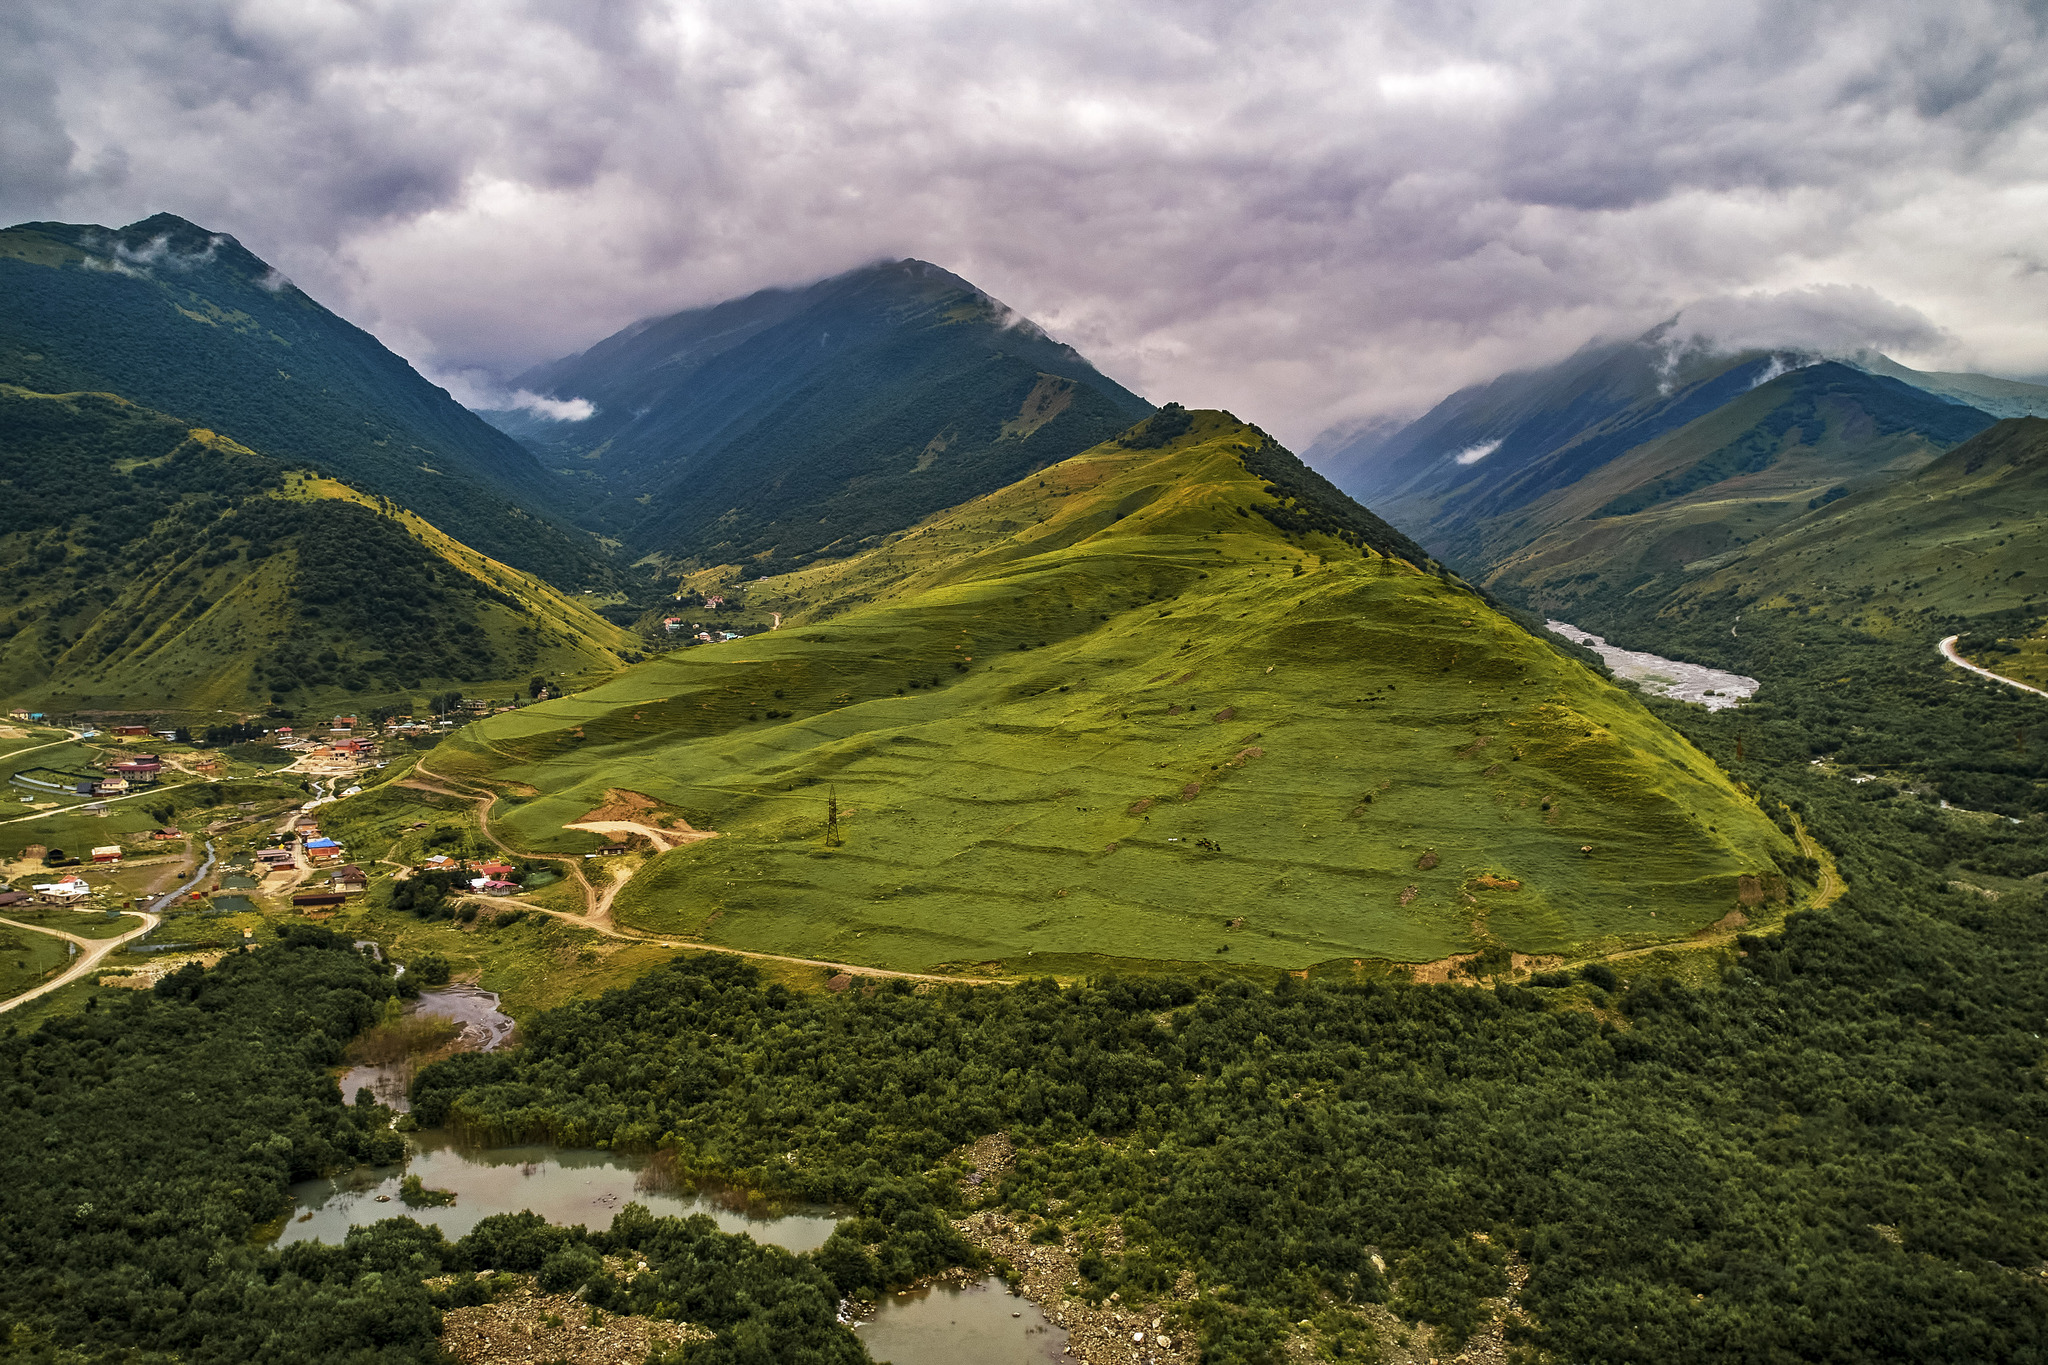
column 1313, row 216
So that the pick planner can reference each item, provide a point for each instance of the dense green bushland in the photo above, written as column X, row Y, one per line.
column 149, row 1139
column 389, row 612
column 1831, row 1152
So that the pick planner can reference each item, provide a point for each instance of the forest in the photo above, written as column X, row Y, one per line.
column 1824, row 1145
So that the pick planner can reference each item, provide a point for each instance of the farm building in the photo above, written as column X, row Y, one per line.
column 107, row 853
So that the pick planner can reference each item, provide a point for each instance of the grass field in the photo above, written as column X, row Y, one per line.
column 26, row 958
column 1112, row 713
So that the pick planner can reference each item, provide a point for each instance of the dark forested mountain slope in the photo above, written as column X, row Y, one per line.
column 190, row 323
column 791, row 422
column 149, row 565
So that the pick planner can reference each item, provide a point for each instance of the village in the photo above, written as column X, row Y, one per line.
column 105, row 861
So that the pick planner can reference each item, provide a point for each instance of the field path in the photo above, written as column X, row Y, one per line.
column 1948, row 651
column 660, row 837
column 91, row 951
column 599, row 917
column 1831, row 884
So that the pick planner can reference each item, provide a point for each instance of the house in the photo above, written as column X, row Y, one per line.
column 342, row 725
column 283, row 731
column 274, row 857
column 107, row 853
column 110, row 786
column 14, row 898
column 495, row 871
column 349, row 878
column 137, row 774
column 131, row 730
column 318, row 900
column 322, row 850
column 70, row 889
column 477, row 705
column 208, row 765
column 494, row 888
column 168, row 833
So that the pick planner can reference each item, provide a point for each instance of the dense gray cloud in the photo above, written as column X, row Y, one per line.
column 1311, row 214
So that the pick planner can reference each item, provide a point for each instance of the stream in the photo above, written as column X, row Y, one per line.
column 1709, row 687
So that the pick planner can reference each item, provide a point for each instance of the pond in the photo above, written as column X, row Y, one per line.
column 984, row 1323
column 237, row 881
column 564, row 1186
column 1708, row 687
column 232, row 905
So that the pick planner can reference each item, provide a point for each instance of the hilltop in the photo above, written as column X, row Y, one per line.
column 161, row 567
column 188, row 322
column 792, row 422
column 1172, row 700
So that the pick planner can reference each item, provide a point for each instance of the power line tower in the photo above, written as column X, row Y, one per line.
column 832, row 839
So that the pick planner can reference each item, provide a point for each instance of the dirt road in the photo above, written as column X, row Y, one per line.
column 1948, row 651
column 91, row 951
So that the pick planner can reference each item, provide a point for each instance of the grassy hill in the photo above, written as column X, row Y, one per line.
column 188, row 322
column 1163, row 701
column 157, row 567
column 768, row 429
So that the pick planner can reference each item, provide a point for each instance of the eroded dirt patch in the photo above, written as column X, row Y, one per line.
column 526, row 1326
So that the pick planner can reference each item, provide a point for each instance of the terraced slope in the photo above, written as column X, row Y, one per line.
column 1135, row 707
column 157, row 567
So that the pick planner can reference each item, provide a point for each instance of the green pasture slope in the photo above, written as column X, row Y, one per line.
column 1032, row 707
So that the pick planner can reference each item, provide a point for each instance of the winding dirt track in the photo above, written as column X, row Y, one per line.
column 91, row 950
column 1948, row 651
column 599, row 917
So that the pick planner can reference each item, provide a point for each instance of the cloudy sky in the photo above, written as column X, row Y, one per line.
column 1313, row 214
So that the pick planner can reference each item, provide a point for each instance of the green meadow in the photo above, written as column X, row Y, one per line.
column 1113, row 712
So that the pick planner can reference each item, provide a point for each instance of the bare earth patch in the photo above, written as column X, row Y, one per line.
column 527, row 1327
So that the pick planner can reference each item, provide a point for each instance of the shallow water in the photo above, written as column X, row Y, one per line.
column 566, row 1187
column 1709, row 687
column 984, row 1323
column 485, row 1028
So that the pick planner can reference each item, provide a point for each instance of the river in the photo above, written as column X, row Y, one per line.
column 1709, row 687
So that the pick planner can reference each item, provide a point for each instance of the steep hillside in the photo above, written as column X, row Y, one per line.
column 1487, row 450
column 190, row 323
column 770, row 428
column 1959, row 546
column 1140, row 705
column 1755, row 465
column 1479, row 476
column 152, row 566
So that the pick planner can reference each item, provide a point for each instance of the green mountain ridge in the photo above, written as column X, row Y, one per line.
column 770, row 429
column 1123, row 710
column 1738, row 474
column 188, row 322
column 156, row 567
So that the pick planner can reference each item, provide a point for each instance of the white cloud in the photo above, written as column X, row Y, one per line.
column 1474, row 454
column 1311, row 215
column 554, row 409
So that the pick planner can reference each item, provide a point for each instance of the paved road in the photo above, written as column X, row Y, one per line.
column 97, row 948
column 1948, row 651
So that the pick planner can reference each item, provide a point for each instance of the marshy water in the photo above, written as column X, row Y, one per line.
column 939, row 1325
column 565, row 1186
column 1709, row 687
column 484, row 1028
column 947, row 1324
